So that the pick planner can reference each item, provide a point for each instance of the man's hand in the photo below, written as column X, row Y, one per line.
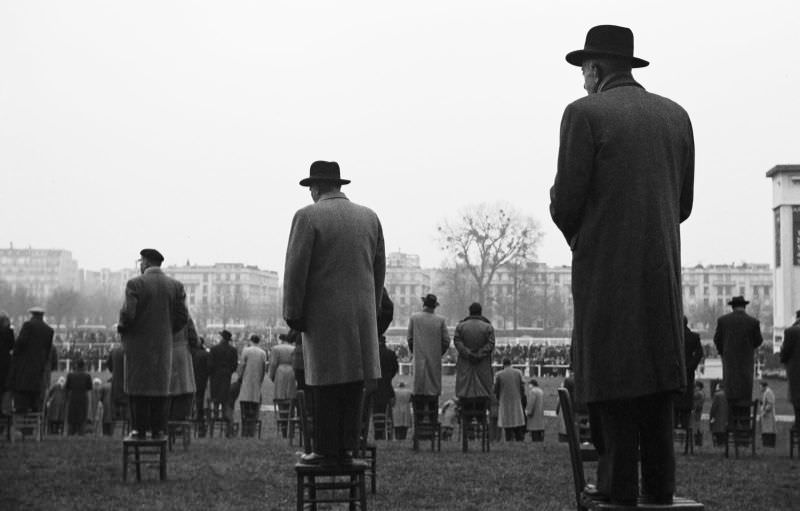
column 298, row 324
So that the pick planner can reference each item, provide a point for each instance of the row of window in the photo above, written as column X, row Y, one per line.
column 729, row 290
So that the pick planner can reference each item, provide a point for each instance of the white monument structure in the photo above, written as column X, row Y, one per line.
column 786, row 209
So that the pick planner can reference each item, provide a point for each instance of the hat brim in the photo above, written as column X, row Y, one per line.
column 311, row 180
column 577, row 57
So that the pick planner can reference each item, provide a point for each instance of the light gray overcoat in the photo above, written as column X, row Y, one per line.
column 428, row 340
column 182, row 377
column 333, row 280
column 154, row 310
column 253, row 369
column 624, row 184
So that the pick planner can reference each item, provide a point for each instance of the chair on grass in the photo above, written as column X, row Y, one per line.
column 474, row 421
column 26, row 424
column 181, row 429
column 426, row 422
column 143, row 452
column 284, row 410
column 328, row 483
column 684, row 432
column 741, row 429
column 367, row 451
column 382, row 421
column 580, row 453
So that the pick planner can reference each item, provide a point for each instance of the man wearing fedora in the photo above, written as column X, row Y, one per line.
column 153, row 312
column 30, row 361
column 737, row 336
column 333, row 281
column 222, row 362
column 624, row 185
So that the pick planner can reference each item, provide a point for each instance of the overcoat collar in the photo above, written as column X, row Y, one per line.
column 154, row 269
column 332, row 195
column 613, row 81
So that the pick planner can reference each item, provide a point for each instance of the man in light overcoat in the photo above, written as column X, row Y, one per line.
column 333, row 281
column 624, row 184
column 153, row 312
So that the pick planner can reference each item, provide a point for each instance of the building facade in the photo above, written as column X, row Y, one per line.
column 230, row 295
column 40, row 271
column 406, row 282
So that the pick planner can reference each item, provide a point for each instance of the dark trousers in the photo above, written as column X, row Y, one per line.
column 537, row 435
column 517, row 434
column 149, row 413
column 400, row 432
column 27, row 401
column 250, row 410
column 336, row 418
column 630, row 429
column 180, row 407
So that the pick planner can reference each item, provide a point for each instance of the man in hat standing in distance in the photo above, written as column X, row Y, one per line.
column 790, row 357
column 29, row 361
column 624, row 184
column 333, row 281
column 428, row 341
column 737, row 336
column 222, row 362
column 154, row 311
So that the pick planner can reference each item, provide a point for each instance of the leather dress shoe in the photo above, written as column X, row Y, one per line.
column 314, row 458
column 135, row 435
column 593, row 493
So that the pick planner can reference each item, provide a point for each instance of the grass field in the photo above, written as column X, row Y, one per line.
column 85, row 473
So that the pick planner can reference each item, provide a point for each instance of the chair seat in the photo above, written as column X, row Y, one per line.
column 144, row 452
column 678, row 504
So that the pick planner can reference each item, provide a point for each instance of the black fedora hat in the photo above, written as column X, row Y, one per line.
column 327, row 171
column 737, row 301
column 152, row 255
column 607, row 41
column 430, row 300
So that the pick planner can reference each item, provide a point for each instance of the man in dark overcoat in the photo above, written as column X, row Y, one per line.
column 222, row 362
column 153, row 312
column 474, row 340
column 29, row 361
column 201, row 374
column 693, row 350
column 119, row 399
column 737, row 336
column 790, row 356
column 333, row 281
column 624, row 184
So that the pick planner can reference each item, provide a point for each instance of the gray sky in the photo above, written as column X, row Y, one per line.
column 187, row 125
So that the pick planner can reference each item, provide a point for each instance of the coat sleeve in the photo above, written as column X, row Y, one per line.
column 718, row 338
column 757, row 338
column 458, row 342
column 180, row 314
column 487, row 349
column 410, row 335
column 273, row 366
column 298, row 259
column 379, row 272
column 445, row 337
column 687, row 187
column 127, row 316
column 786, row 349
column 575, row 163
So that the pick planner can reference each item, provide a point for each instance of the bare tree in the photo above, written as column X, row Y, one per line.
column 487, row 236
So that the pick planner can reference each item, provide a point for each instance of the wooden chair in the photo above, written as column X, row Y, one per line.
column 382, row 420
column 26, row 424
column 741, row 429
column 474, row 421
column 426, row 422
column 367, row 451
column 144, row 453
column 328, row 483
column 794, row 441
column 182, row 429
column 284, row 410
column 684, row 431
column 578, row 455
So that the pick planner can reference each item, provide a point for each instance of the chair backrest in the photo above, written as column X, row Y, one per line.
column 565, row 400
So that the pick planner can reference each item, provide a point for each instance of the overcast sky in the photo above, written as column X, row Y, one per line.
column 186, row 126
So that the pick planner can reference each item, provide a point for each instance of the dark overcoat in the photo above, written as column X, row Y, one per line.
column 624, row 184
column 389, row 369
column 333, row 281
column 790, row 356
column 116, row 365
column 31, row 356
column 6, row 347
column 693, row 349
column 154, row 310
column 736, row 338
column 201, row 369
column 222, row 362
column 474, row 340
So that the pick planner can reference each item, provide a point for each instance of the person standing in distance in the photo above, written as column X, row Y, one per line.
column 624, row 184
column 790, row 357
column 736, row 338
column 333, row 281
column 29, row 362
column 153, row 312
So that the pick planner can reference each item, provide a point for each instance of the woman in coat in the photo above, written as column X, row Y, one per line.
column 182, row 383
column 56, row 407
column 718, row 416
column 767, row 415
column 534, row 411
column 78, row 387
column 251, row 375
column 401, row 411
column 282, row 375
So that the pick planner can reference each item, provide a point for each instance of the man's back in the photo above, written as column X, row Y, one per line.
column 427, row 334
column 335, row 267
column 736, row 337
column 624, row 184
column 31, row 355
column 790, row 356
